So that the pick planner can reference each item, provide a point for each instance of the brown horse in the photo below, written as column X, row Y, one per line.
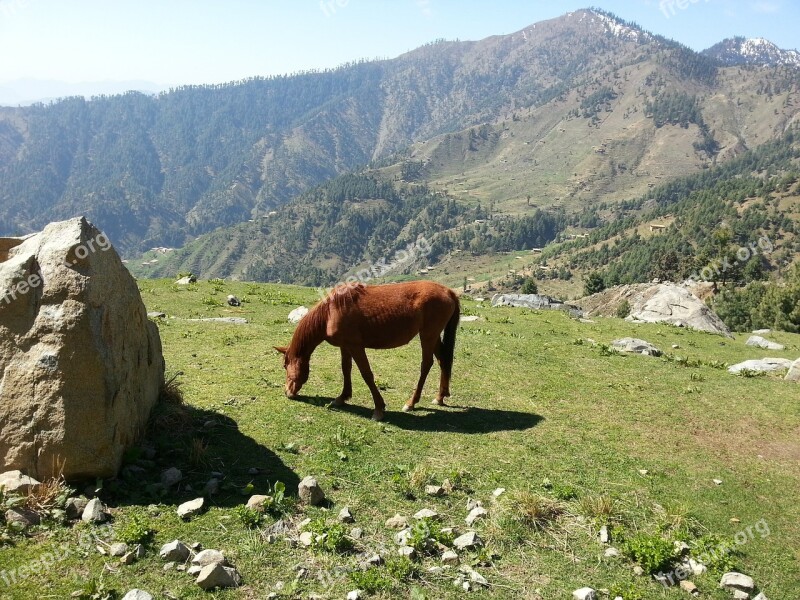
column 356, row 317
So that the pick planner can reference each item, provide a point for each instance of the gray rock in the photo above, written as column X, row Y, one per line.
column 472, row 503
column 397, row 522
column 584, row 593
column 212, row 487
column 757, row 341
column 434, row 490
column 14, row 482
column 476, row 513
column 79, row 357
column 376, row 560
column 256, row 502
column 171, row 477
column 234, row 301
column 118, row 549
column 186, row 280
column 761, row 596
column 137, row 595
column 191, row 508
column 345, row 516
column 229, row 320
column 762, row 331
column 426, row 513
column 637, row 570
column 450, row 557
column 611, row 552
column 737, row 581
column 218, row 576
column 355, row 595
column 794, row 372
column 690, row 587
column 407, row 551
column 154, row 314
column 75, row 506
column 174, row 551
column 469, row 318
column 467, row 540
column 306, row 538
column 297, row 314
column 94, row 512
column 536, row 302
column 765, row 365
column 209, row 557
column 635, row 346
column 401, row 537
column 21, row 517
column 310, row 492
column 604, row 534
column 740, row 595
column 356, row 533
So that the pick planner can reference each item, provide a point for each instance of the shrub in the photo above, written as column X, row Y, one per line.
column 651, row 551
column 134, row 530
column 623, row 310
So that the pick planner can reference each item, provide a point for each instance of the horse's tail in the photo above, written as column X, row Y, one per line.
column 449, row 339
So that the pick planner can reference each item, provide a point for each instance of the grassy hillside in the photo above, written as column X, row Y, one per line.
column 539, row 409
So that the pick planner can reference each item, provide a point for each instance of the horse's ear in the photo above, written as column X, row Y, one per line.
column 281, row 349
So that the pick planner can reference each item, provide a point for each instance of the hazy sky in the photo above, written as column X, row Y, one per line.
column 173, row 42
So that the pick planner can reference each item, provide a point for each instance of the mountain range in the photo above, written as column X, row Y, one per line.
column 567, row 117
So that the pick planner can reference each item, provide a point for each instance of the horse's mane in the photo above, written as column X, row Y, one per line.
column 308, row 330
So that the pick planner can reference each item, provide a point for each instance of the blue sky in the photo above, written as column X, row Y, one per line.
column 172, row 42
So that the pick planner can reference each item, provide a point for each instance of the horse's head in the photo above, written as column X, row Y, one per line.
column 296, row 371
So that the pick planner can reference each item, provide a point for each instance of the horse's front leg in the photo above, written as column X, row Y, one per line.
column 347, row 386
column 360, row 356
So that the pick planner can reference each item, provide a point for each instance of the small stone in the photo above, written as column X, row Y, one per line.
column 760, row 596
column 14, row 482
column 174, row 551
column 137, row 595
column 476, row 513
column 717, row 481
column 94, row 512
column 169, row 566
column 355, row 595
column 611, row 553
column 643, row 472
column 75, row 506
column 186, row 280
column 737, row 581
column 22, row 517
column 637, row 570
column 209, row 557
column 376, row 560
column 407, row 551
column 191, row 508
column 306, row 538
column 171, row 477
column 234, row 301
column 476, row 577
column 194, row 570
column 584, row 593
column 397, row 522
column 101, row 550
column 740, row 595
column 256, row 502
column 472, row 503
column 304, row 523
column 688, row 586
column 467, row 540
column 401, row 537
column 218, row 576
column 434, row 490
column 356, row 533
column 498, row 492
column 695, row 567
column 310, row 492
column 212, row 487
column 196, row 546
column 426, row 513
column 450, row 558
column 119, row 549
column 604, row 534
column 681, row 547
column 345, row 516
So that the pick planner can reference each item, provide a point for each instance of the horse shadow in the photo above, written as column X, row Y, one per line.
column 453, row 417
column 205, row 445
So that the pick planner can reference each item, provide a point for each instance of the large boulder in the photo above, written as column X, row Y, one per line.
column 81, row 364
column 764, row 365
column 657, row 303
column 536, row 302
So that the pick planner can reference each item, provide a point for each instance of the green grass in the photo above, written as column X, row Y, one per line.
column 563, row 426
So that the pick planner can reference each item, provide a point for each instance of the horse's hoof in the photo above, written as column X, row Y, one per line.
column 408, row 407
column 438, row 402
column 377, row 416
column 340, row 401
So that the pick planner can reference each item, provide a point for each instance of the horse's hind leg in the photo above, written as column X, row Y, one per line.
column 444, row 378
column 360, row 356
column 347, row 386
column 428, row 346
